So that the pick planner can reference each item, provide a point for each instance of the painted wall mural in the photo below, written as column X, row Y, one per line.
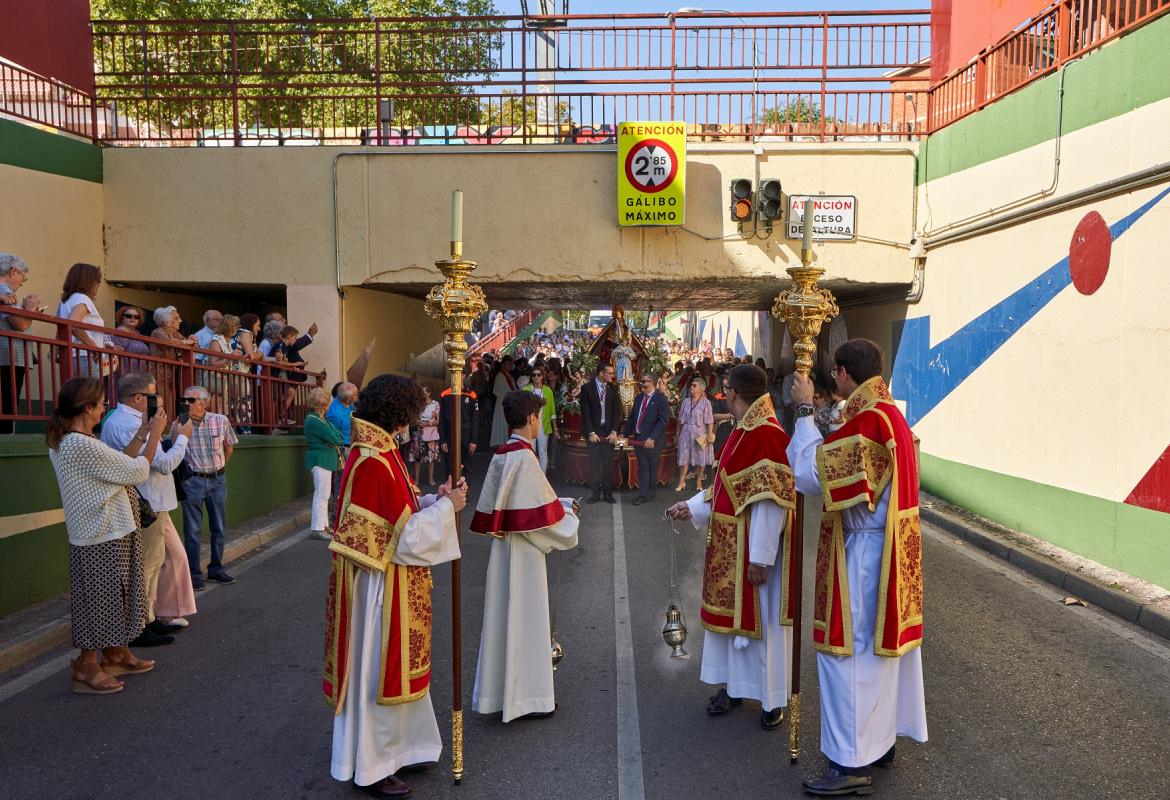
column 925, row 375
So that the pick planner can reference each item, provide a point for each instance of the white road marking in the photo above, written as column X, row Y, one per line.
column 60, row 664
column 629, row 737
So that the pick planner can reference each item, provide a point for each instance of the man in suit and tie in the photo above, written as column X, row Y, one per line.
column 647, row 426
column 599, row 421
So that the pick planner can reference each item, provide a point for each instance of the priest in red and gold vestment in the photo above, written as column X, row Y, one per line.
column 378, row 618
column 867, row 601
column 745, row 605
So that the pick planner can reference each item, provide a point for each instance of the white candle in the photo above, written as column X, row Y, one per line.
column 457, row 215
column 806, row 242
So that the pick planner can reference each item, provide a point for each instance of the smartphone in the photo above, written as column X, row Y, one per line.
column 183, row 417
column 151, row 406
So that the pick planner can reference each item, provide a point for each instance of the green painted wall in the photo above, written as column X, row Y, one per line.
column 23, row 145
column 1131, row 539
column 1127, row 74
column 265, row 472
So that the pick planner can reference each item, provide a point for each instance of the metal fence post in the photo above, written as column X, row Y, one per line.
column 378, row 82
column 674, row 59
column 824, row 69
column 523, row 80
column 235, row 86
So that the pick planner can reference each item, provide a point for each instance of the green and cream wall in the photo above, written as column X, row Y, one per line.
column 1036, row 367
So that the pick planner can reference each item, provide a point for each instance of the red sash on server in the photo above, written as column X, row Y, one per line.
column 377, row 499
column 872, row 450
column 753, row 466
column 516, row 496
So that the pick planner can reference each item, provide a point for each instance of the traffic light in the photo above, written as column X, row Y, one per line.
column 741, row 201
column 768, row 202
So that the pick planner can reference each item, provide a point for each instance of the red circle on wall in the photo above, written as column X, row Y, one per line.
column 645, row 169
column 1089, row 253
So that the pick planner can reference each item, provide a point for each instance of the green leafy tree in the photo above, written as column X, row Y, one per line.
column 296, row 74
column 800, row 112
column 513, row 109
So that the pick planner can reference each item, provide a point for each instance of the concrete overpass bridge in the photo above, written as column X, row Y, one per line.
column 353, row 233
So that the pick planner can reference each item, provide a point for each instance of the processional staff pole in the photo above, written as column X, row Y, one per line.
column 803, row 308
column 456, row 303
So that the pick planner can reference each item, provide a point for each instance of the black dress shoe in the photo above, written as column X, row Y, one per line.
column 721, row 702
column 639, row 500
column 413, row 769
column 835, row 784
column 149, row 638
column 387, row 787
column 541, row 714
column 608, row 498
column 197, row 583
column 221, row 577
column 886, row 761
column 593, row 498
column 771, row 720
column 163, row 628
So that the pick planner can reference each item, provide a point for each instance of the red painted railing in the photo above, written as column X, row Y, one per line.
column 33, row 98
column 1067, row 30
column 256, row 395
column 499, row 339
column 440, row 80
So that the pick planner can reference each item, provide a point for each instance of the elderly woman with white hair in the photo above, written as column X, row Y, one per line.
column 167, row 335
column 696, row 435
column 14, row 356
column 322, row 458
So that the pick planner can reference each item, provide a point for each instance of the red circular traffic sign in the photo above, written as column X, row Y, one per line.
column 651, row 165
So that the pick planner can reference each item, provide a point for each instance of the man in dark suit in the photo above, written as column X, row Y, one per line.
column 647, row 426
column 599, row 422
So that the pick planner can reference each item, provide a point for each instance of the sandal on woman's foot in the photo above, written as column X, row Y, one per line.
column 128, row 665
column 90, row 678
column 721, row 702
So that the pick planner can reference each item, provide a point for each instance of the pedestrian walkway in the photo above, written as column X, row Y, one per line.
column 1026, row 697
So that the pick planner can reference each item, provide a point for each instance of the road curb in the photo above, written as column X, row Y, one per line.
column 258, row 532
column 1117, row 602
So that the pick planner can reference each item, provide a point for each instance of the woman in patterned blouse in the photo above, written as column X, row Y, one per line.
column 107, row 590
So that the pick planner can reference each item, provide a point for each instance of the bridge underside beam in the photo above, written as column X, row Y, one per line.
column 722, row 293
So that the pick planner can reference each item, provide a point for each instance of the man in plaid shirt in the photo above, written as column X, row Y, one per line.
column 208, row 451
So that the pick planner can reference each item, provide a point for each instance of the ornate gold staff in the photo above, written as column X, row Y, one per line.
column 456, row 303
column 803, row 308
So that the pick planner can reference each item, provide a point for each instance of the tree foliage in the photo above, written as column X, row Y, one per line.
column 299, row 74
column 800, row 112
column 513, row 109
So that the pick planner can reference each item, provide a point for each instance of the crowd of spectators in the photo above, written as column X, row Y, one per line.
column 234, row 355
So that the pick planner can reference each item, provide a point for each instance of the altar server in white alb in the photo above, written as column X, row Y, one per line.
column 521, row 511
column 867, row 619
column 747, row 572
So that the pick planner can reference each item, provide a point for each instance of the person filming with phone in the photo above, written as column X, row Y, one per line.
column 127, row 429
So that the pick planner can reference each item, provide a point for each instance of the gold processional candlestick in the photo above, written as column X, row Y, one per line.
column 803, row 309
column 456, row 303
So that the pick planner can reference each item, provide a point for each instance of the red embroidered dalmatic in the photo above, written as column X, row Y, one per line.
column 377, row 499
column 872, row 450
column 753, row 466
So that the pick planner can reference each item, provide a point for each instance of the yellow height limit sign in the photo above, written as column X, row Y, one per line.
column 652, row 170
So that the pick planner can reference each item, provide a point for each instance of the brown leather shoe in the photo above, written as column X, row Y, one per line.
column 387, row 787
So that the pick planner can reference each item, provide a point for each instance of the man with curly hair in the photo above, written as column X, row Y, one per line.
column 378, row 618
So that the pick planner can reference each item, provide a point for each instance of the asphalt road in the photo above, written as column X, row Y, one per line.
column 1026, row 697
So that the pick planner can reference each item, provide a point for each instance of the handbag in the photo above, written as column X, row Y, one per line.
column 146, row 515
